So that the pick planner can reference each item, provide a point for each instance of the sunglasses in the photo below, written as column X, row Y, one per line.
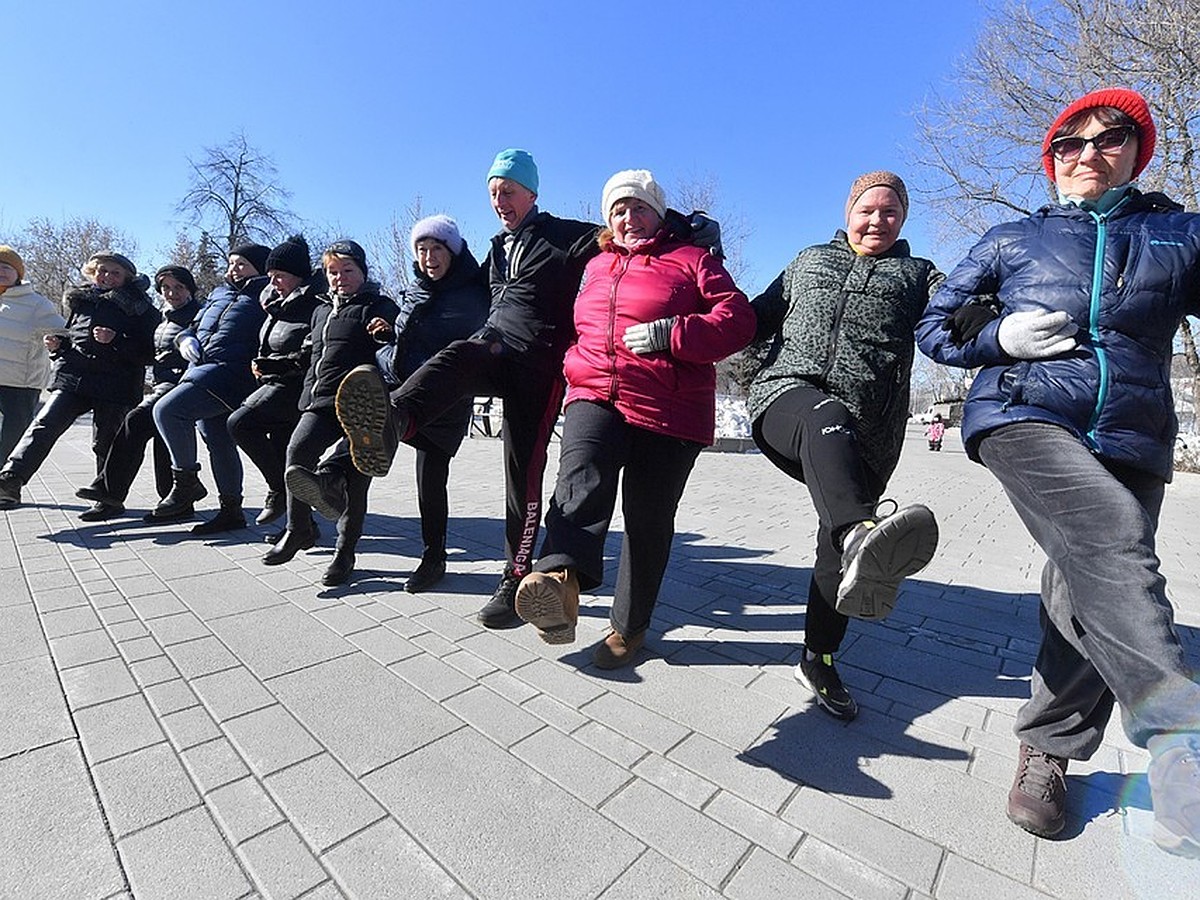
column 1110, row 140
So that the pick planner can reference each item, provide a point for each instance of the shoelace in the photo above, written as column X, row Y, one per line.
column 1042, row 778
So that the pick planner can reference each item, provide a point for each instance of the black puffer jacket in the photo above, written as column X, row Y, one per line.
column 449, row 309
column 843, row 323
column 283, row 342
column 113, row 372
column 340, row 341
column 169, row 366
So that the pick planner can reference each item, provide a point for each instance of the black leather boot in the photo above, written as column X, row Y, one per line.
column 274, row 506
column 324, row 490
column 339, row 570
column 289, row 545
column 184, row 493
column 228, row 518
column 500, row 611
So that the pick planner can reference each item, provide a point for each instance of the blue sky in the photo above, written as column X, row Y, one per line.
column 366, row 106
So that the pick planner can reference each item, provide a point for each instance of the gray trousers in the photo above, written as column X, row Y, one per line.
column 1108, row 630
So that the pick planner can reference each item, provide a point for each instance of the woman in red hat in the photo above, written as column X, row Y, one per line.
column 1072, row 411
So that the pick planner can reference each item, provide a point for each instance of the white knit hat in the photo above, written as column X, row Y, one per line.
column 440, row 228
column 637, row 183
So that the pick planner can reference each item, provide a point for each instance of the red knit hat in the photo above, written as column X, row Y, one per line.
column 1127, row 101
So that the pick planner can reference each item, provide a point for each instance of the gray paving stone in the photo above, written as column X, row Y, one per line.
column 499, row 651
column 21, row 634
column 170, row 696
column 555, row 713
column 278, row 639
column 97, row 683
column 965, row 880
column 32, row 711
column 243, row 809
column 143, row 787
column 675, row 780
column 383, row 645
column 127, row 631
column 645, row 726
column 612, row 744
column 138, row 648
column 702, row 846
column 155, row 670
column 270, row 739
column 344, row 620
column 184, row 856
column 373, row 862
column 434, row 644
column 280, row 864
column 213, row 764
column 119, row 726
column 655, row 876
column 511, row 687
column 469, row 664
column 231, row 693
column 761, row 785
column 450, row 626
column 564, row 684
column 504, row 722
column 76, row 620
column 764, row 877
column 189, row 727
column 758, row 826
column 846, row 873
column 81, row 649
column 572, row 766
column 381, row 719
column 510, row 816
column 224, row 592
column 431, row 676
column 52, row 833
column 152, row 606
column 176, row 628
column 202, row 656
column 323, row 802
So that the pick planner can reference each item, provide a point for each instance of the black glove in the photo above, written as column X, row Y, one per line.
column 969, row 319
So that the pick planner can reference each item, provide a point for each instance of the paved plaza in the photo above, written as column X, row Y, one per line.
column 179, row 721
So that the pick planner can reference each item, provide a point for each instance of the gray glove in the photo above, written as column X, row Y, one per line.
column 189, row 348
column 1036, row 334
column 706, row 233
column 649, row 337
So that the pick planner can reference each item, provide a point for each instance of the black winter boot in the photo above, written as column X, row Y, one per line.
column 274, row 506
column 500, row 611
column 185, row 492
column 228, row 518
column 289, row 545
column 339, row 570
column 324, row 490
column 10, row 491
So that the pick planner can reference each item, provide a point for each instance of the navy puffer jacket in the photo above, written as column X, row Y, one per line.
column 228, row 332
column 1126, row 278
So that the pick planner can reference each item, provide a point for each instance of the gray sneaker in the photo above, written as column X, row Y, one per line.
column 1174, row 775
column 879, row 554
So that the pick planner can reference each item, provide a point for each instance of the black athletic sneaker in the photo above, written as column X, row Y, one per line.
column 822, row 679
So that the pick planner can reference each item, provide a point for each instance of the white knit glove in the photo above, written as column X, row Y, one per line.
column 189, row 348
column 649, row 337
column 1036, row 334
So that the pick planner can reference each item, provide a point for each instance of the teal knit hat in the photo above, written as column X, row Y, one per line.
column 516, row 165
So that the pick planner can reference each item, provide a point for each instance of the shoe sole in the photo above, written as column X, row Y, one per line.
column 1049, row 831
column 89, row 516
column 899, row 546
column 540, row 605
column 1175, row 843
column 844, row 715
column 304, row 487
column 362, row 409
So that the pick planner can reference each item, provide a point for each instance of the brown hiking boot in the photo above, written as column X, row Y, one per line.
column 549, row 601
column 616, row 651
column 1038, row 798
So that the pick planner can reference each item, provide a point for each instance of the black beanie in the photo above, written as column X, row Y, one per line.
column 256, row 253
column 180, row 274
column 351, row 249
column 291, row 256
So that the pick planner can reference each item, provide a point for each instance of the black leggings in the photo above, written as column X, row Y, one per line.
column 811, row 437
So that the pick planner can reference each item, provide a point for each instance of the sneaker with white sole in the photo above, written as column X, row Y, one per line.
column 1174, row 776
column 825, row 683
column 879, row 554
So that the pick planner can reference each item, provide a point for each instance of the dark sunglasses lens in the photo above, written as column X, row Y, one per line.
column 1112, row 139
column 1068, row 147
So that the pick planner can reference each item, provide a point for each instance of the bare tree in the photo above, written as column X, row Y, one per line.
column 201, row 259
column 236, row 191
column 54, row 251
column 390, row 252
column 979, row 145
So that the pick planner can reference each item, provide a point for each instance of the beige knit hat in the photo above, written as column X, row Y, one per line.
column 13, row 258
column 637, row 183
column 880, row 178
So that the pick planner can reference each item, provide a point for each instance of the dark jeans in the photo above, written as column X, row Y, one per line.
column 433, row 502
column 531, row 387
column 316, row 431
column 262, row 427
column 811, row 437
column 1108, row 630
column 186, row 408
column 597, row 445
column 60, row 411
column 18, row 406
column 128, row 451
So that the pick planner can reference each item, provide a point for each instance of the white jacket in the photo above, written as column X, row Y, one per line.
column 25, row 315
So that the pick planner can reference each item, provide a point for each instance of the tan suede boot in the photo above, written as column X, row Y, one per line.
column 549, row 601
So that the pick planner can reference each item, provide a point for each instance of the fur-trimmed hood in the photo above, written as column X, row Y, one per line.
column 131, row 297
